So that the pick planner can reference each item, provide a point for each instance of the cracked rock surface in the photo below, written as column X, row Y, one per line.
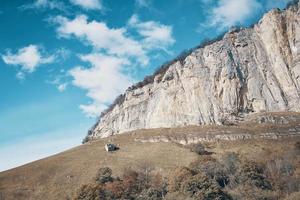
column 250, row 70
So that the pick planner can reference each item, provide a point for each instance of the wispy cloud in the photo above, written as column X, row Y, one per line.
column 28, row 58
column 62, row 53
column 228, row 13
column 148, row 5
column 45, row 4
column 114, row 50
column 88, row 4
column 100, row 36
column 104, row 80
column 156, row 35
column 60, row 82
column 62, row 87
column 143, row 3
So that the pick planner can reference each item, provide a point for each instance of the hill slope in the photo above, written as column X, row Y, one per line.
column 249, row 70
column 59, row 176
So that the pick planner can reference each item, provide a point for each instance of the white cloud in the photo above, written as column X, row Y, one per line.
column 60, row 80
column 232, row 12
column 62, row 53
column 88, row 4
column 143, row 3
column 103, row 81
column 62, row 87
column 101, row 37
column 20, row 75
column 92, row 110
column 114, row 49
column 29, row 58
column 155, row 35
column 46, row 4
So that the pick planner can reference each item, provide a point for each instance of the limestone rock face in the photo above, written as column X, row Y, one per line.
column 249, row 71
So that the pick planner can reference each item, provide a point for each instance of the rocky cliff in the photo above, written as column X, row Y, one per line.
column 248, row 71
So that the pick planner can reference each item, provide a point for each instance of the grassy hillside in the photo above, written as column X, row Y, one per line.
column 61, row 175
column 57, row 177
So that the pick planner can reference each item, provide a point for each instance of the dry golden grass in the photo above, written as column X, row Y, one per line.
column 59, row 176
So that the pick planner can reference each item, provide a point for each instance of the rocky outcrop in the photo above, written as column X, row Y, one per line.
column 192, row 139
column 259, row 126
column 250, row 70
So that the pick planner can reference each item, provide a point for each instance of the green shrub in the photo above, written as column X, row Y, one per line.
column 90, row 192
column 201, row 187
column 280, row 172
column 104, row 175
column 199, row 149
column 177, row 177
column 151, row 194
column 253, row 174
column 230, row 161
column 131, row 182
column 213, row 169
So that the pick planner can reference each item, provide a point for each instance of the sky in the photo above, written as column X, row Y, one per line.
column 62, row 62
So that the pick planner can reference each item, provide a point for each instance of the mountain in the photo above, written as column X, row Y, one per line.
column 244, row 87
column 249, row 70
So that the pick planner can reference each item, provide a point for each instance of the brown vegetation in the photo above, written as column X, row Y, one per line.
column 142, row 184
column 232, row 176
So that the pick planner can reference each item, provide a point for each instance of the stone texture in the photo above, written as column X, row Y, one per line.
column 249, row 71
column 191, row 139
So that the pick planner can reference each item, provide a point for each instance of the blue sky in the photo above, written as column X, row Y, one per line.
column 63, row 62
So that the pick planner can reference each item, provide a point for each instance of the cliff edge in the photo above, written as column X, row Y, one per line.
column 249, row 70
